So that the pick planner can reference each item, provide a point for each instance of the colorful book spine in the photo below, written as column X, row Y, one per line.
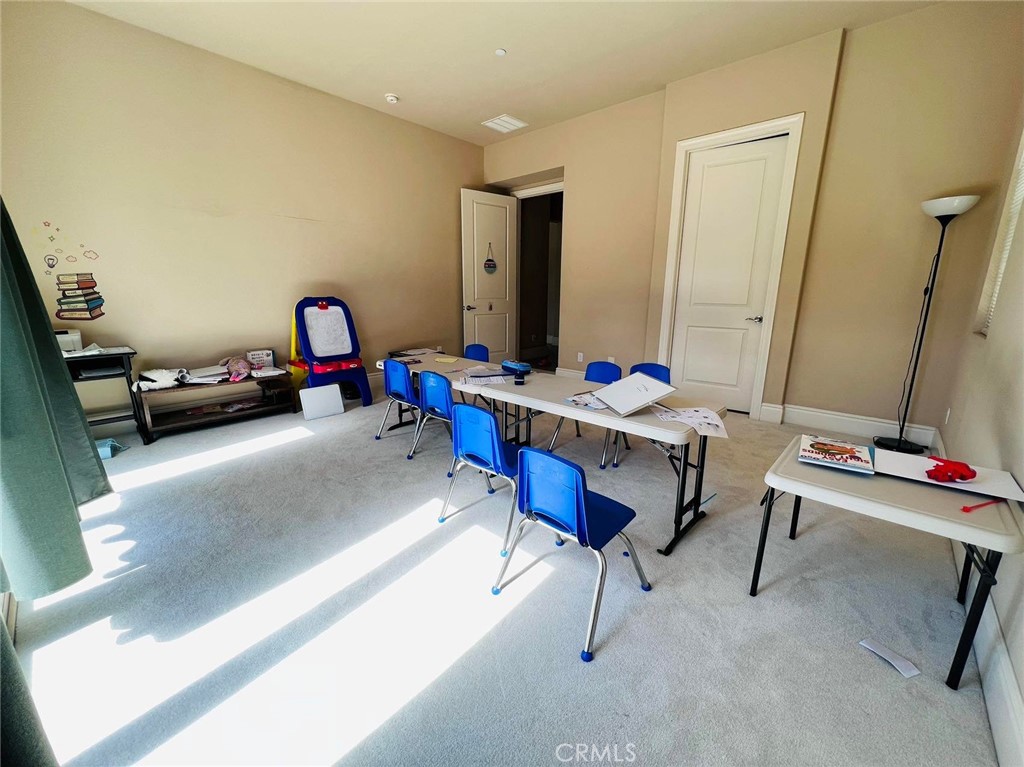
column 79, row 314
column 80, row 304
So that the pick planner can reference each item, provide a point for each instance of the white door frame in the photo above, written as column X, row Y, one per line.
column 791, row 126
column 536, row 191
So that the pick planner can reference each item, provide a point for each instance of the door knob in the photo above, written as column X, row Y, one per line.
column 758, row 319
column 469, row 308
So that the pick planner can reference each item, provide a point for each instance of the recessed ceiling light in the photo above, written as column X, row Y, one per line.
column 391, row 98
column 500, row 52
column 504, row 123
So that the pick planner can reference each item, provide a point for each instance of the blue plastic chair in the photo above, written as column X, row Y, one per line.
column 435, row 402
column 603, row 373
column 553, row 493
column 398, row 388
column 477, row 352
column 654, row 370
column 477, row 443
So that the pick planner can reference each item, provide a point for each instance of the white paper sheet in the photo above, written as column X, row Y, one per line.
column 994, row 482
column 481, row 380
column 704, row 421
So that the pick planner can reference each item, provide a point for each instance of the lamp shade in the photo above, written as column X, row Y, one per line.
column 950, row 206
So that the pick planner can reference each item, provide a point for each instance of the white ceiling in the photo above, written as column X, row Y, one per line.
column 564, row 59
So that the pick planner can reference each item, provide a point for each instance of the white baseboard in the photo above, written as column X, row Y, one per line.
column 1003, row 696
column 857, row 425
column 771, row 413
column 569, row 372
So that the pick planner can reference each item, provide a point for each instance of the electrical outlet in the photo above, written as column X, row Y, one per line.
column 579, row 357
column 611, row 359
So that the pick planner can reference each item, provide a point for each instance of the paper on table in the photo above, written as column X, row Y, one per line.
column 446, row 360
column 416, row 352
column 586, row 399
column 994, row 482
column 704, row 421
column 481, row 380
column 97, row 349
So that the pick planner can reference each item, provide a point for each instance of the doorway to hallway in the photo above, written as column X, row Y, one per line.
column 540, row 277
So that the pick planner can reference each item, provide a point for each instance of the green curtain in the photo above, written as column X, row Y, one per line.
column 48, row 466
column 49, row 461
column 21, row 733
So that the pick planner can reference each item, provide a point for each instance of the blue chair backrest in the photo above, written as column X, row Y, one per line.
column 554, row 490
column 603, row 372
column 398, row 382
column 347, row 349
column 477, row 352
column 476, row 437
column 654, row 370
column 436, row 395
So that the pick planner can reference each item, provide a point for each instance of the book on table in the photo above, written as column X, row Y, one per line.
column 837, row 453
column 632, row 393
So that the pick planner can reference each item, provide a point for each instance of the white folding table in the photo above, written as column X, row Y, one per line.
column 931, row 508
column 544, row 393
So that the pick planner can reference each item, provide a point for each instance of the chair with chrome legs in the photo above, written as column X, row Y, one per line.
column 659, row 373
column 477, row 443
column 603, row 373
column 654, row 370
column 553, row 493
column 398, row 388
column 435, row 402
column 477, row 352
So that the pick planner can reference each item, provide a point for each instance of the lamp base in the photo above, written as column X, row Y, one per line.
column 899, row 444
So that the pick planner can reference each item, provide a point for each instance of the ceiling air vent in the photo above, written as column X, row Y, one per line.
column 504, row 123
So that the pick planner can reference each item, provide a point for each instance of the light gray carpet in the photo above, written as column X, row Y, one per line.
column 694, row 672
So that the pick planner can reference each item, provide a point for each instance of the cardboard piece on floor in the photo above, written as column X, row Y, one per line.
column 321, row 401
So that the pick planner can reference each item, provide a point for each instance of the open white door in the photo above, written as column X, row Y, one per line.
column 490, row 255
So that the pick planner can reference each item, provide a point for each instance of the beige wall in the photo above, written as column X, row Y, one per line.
column 925, row 107
column 217, row 195
column 987, row 422
column 610, row 161
column 797, row 78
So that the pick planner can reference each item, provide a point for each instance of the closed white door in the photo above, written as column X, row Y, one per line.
column 489, row 259
column 730, row 214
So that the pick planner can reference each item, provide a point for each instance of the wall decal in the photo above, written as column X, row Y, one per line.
column 50, row 261
column 72, row 259
column 92, row 255
column 79, row 299
column 59, row 250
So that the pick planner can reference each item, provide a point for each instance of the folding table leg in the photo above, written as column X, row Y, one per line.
column 769, row 502
column 965, row 579
column 963, row 649
column 796, row 518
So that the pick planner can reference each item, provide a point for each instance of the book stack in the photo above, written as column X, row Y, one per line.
column 78, row 297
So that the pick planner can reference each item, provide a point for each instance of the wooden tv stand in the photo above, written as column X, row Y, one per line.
column 276, row 395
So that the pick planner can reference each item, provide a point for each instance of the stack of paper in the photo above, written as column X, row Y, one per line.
column 632, row 393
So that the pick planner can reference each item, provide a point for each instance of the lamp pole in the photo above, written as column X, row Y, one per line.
column 944, row 210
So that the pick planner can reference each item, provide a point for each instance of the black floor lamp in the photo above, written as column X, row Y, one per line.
column 944, row 209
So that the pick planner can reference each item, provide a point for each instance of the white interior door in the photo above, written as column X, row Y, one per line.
column 730, row 214
column 490, row 255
